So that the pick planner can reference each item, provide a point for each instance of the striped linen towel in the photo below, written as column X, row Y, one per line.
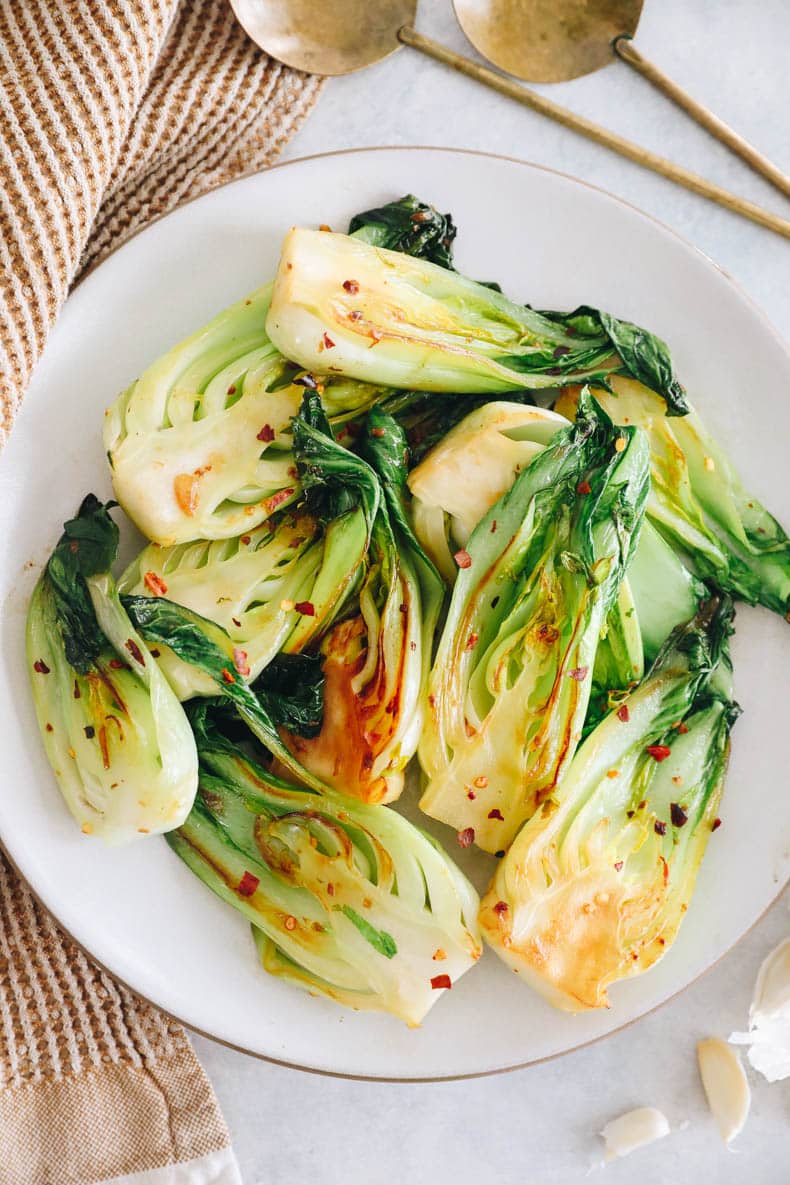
column 111, row 113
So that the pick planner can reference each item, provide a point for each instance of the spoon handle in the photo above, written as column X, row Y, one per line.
column 625, row 49
column 578, row 123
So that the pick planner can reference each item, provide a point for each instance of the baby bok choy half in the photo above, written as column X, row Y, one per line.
column 510, row 684
column 114, row 732
column 596, row 884
column 384, row 317
column 279, row 586
column 377, row 655
column 346, row 900
column 697, row 500
column 199, row 444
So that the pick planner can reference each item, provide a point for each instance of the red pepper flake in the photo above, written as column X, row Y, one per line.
column 496, row 814
column 682, row 728
column 623, row 713
column 659, row 827
column 441, row 981
column 246, row 539
column 548, row 633
column 466, row 837
column 248, row 884
column 306, row 608
column 355, row 315
column 351, row 286
column 584, row 487
column 658, row 752
column 330, row 888
column 716, row 824
column 662, row 941
column 74, row 547
column 472, row 641
column 236, row 622
column 232, row 389
column 76, row 689
column 481, row 781
column 323, row 226
column 49, row 727
column 135, row 651
column 560, row 351
column 40, row 667
column 290, row 922
column 327, row 342
column 403, row 607
column 666, row 869
column 155, row 584
column 501, row 907
column 266, row 434
column 579, row 674
column 470, row 794
column 226, row 676
column 115, row 664
column 275, row 500
column 618, row 866
column 377, row 432
column 240, row 660
column 463, row 559
column 677, row 814
column 493, row 527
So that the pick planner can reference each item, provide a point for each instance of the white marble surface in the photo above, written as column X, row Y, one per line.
column 537, row 1126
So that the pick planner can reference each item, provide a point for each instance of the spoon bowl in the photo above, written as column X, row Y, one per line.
column 547, row 40
column 326, row 38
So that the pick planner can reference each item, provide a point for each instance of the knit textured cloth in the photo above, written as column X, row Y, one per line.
column 112, row 112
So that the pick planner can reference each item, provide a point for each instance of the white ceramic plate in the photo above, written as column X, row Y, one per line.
column 555, row 243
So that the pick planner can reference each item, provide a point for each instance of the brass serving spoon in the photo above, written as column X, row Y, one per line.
column 341, row 36
column 556, row 40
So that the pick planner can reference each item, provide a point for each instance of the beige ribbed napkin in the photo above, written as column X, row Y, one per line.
column 111, row 113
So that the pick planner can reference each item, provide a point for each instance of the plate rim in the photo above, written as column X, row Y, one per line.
column 782, row 885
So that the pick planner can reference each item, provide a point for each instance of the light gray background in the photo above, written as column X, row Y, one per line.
column 537, row 1126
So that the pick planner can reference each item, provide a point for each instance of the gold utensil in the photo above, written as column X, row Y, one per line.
column 340, row 36
column 555, row 40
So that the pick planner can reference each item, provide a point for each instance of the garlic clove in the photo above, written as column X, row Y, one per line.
column 724, row 1080
column 772, row 989
column 634, row 1130
column 768, row 1037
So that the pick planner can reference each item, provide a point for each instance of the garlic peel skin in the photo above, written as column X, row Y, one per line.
column 768, row 1037
column 726, row 1087
column 633, row 1130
